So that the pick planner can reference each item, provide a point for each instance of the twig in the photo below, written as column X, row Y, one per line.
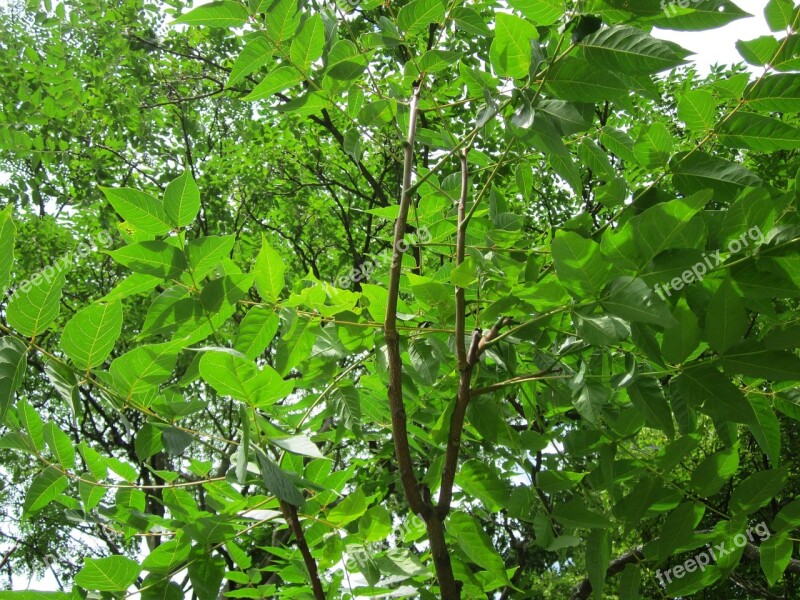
column 290, row 514
column 394, row 360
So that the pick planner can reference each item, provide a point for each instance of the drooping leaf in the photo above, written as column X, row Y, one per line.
column 13, row 361
column 269, row 271
column 8, row 233
column 278, row 482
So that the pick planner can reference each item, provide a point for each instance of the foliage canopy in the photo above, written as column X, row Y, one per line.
column 311, row 299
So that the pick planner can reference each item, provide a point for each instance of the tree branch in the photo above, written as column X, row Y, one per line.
column 395, row 364
column 290, row 514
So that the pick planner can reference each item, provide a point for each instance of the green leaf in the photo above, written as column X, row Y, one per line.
column 279, row 80
column 112, row 574
column 712, row 473
column 635, row 301
column 256, row 53
column 37, row 303
column 766, row 429
column 154, row 258
column 240, row 378
column 541, row 12
column 670, row 225
column 8, row 234
column 758, row 132
column 60, row 445
column 480, row 480
column 697, row 108
column 207, row 252
column 579, row 264
column 141, row 210
column 282, row 20
column 269, row 271
column 775, row 93
column 697, row 171
column 344, row 62
column 470, row 21
column 158, row 588
column 788, row 518
column 510, row 51
column 630, row 582
column 757, row 490
column 167, row 557
column 578, row 80
column 598, row 557
column 308, row 44
column 753, row 360
column 139, row 371
column 182, row 200
column 223, row 13
column 132, row 285
column 13, row 362
column 475, row 543
column 90, row 492
column 680, row 341
column 414, row 17
column 646, row 394
column 700, row 15
column 148, row 441
column 632, row 51
column 43, row 490
column 90, row 334
column 574, row 514
column 726, row 318
column 32, row 423
column 678, row 528
column 278, row 482
column 654, row 145
column 774, row 555
column 712, row 392
column 349, row 509
column 256, row 331
column 780, row 14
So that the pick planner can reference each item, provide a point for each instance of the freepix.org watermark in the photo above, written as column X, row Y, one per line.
column 708, row 264
column 368, row 267
column 51, row 271
column 671, row 8
column 715, row 552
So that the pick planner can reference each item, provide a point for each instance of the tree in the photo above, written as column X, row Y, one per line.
column 423, row 299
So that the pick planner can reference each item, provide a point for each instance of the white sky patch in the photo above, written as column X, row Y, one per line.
column 718, row 46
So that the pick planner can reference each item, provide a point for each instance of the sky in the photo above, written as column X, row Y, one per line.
column 717, row 46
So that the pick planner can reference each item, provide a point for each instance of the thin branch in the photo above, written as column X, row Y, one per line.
column 290, row 514
column 394, row 361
